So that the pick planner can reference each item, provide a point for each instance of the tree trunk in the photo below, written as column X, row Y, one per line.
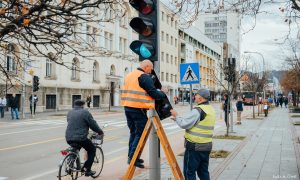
column 253, row 104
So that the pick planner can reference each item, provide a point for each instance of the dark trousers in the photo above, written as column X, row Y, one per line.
column 34, row 107
column 14, row 111
column 226, row 118
column 136, row 122
column 196, row 161
column 91, row 151
column 2, row 111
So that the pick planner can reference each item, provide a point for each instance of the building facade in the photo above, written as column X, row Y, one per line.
column 99, row 74
column 196, row 47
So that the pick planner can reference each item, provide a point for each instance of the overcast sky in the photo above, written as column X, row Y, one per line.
column 267, row 36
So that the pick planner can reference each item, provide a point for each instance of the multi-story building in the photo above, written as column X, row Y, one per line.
column 221, row 27
column 100, row 76
column 168, row 51
column 196, row 47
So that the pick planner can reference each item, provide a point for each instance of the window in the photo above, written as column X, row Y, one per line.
column 162, row 76
column 94, row 36
column 162, row 16
column 95, row 71
column 48, row 68
column 171, row 77
column 176, row 60
column 108, row 40
column 176, row 25
column 172, row 40
column 167, row 77
column 167, row 37
column 75, row 69
column 171, row 59
column 11, row 65
column 162, row 56
column 162, row 36
column 172, row 21
column 167, row 58
column 175, row 78
column 87, row 37
column 112, row 70
column 175, row 42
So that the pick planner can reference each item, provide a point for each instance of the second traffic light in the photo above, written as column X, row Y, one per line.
column 35, row 83
column 146, row 26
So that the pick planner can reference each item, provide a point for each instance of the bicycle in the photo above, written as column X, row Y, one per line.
column 70, row 166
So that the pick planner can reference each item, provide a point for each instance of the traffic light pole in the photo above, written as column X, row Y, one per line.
column 32, row 99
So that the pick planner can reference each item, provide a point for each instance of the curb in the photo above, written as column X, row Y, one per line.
column 221, row 167
column 296, row 142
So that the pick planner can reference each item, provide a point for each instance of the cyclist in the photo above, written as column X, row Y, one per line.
column 79, row 123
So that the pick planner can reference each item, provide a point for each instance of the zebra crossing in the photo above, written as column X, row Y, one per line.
column 111, row 123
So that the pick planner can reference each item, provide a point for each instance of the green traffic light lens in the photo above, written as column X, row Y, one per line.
column 145, row 50
column 145, row 53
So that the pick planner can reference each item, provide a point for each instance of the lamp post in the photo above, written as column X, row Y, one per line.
column 254, row 52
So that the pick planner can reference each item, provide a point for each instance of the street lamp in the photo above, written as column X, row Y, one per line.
column 249, row 52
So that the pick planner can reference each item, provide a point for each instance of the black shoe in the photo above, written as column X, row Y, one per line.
column 89, row 173
column 140, row 160
column 138, row 163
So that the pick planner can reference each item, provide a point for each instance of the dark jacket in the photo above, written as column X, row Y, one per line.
column 225, row 105
column 14, row 102
column 239, row 106
column 146, row 82
column 79, row 123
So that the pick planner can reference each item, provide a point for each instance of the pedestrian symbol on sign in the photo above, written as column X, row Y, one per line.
column 189, row 75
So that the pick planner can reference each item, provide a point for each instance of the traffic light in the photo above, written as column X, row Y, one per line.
column 36, row 83
column 146, row 26
column 229, row 71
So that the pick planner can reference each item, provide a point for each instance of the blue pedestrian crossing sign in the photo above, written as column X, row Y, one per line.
column 189, row 73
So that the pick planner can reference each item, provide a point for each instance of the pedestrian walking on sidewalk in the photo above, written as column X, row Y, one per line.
column 266, row 108
column 226, row 109
column 239, row 108
column 3, row 104
column 199, row 129
column 88, row 101
column 137, row 96
column 35, row 100
column 286, row 101
column 14, row 105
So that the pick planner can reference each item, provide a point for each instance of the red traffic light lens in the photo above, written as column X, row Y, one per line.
column 142, row 27
column 143, row 6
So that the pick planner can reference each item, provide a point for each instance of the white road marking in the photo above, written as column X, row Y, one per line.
column 42, row 174
column 2, row 178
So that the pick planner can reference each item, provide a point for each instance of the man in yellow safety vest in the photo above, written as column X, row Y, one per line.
column 199, row 129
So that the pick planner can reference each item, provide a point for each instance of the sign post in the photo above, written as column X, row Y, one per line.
column 189, row 74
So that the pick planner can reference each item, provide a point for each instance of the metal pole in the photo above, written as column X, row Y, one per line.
column 231, row 114
column 154, row 146
column 23, row 99
column 154, row 151
column 32, row 99
column 191, row 96
column 56, row 98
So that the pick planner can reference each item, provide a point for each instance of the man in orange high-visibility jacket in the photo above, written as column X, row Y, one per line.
column 137, row 96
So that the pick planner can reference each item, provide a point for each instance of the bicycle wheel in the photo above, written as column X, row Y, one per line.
column 68, row 168
column 98, row 162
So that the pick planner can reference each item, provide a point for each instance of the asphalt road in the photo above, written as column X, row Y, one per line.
column 31, row 149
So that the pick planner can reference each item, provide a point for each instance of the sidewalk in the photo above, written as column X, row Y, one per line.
column 268, row 152
column 62, row 113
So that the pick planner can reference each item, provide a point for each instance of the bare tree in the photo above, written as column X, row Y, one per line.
column 255, row 82
column 229, row 87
